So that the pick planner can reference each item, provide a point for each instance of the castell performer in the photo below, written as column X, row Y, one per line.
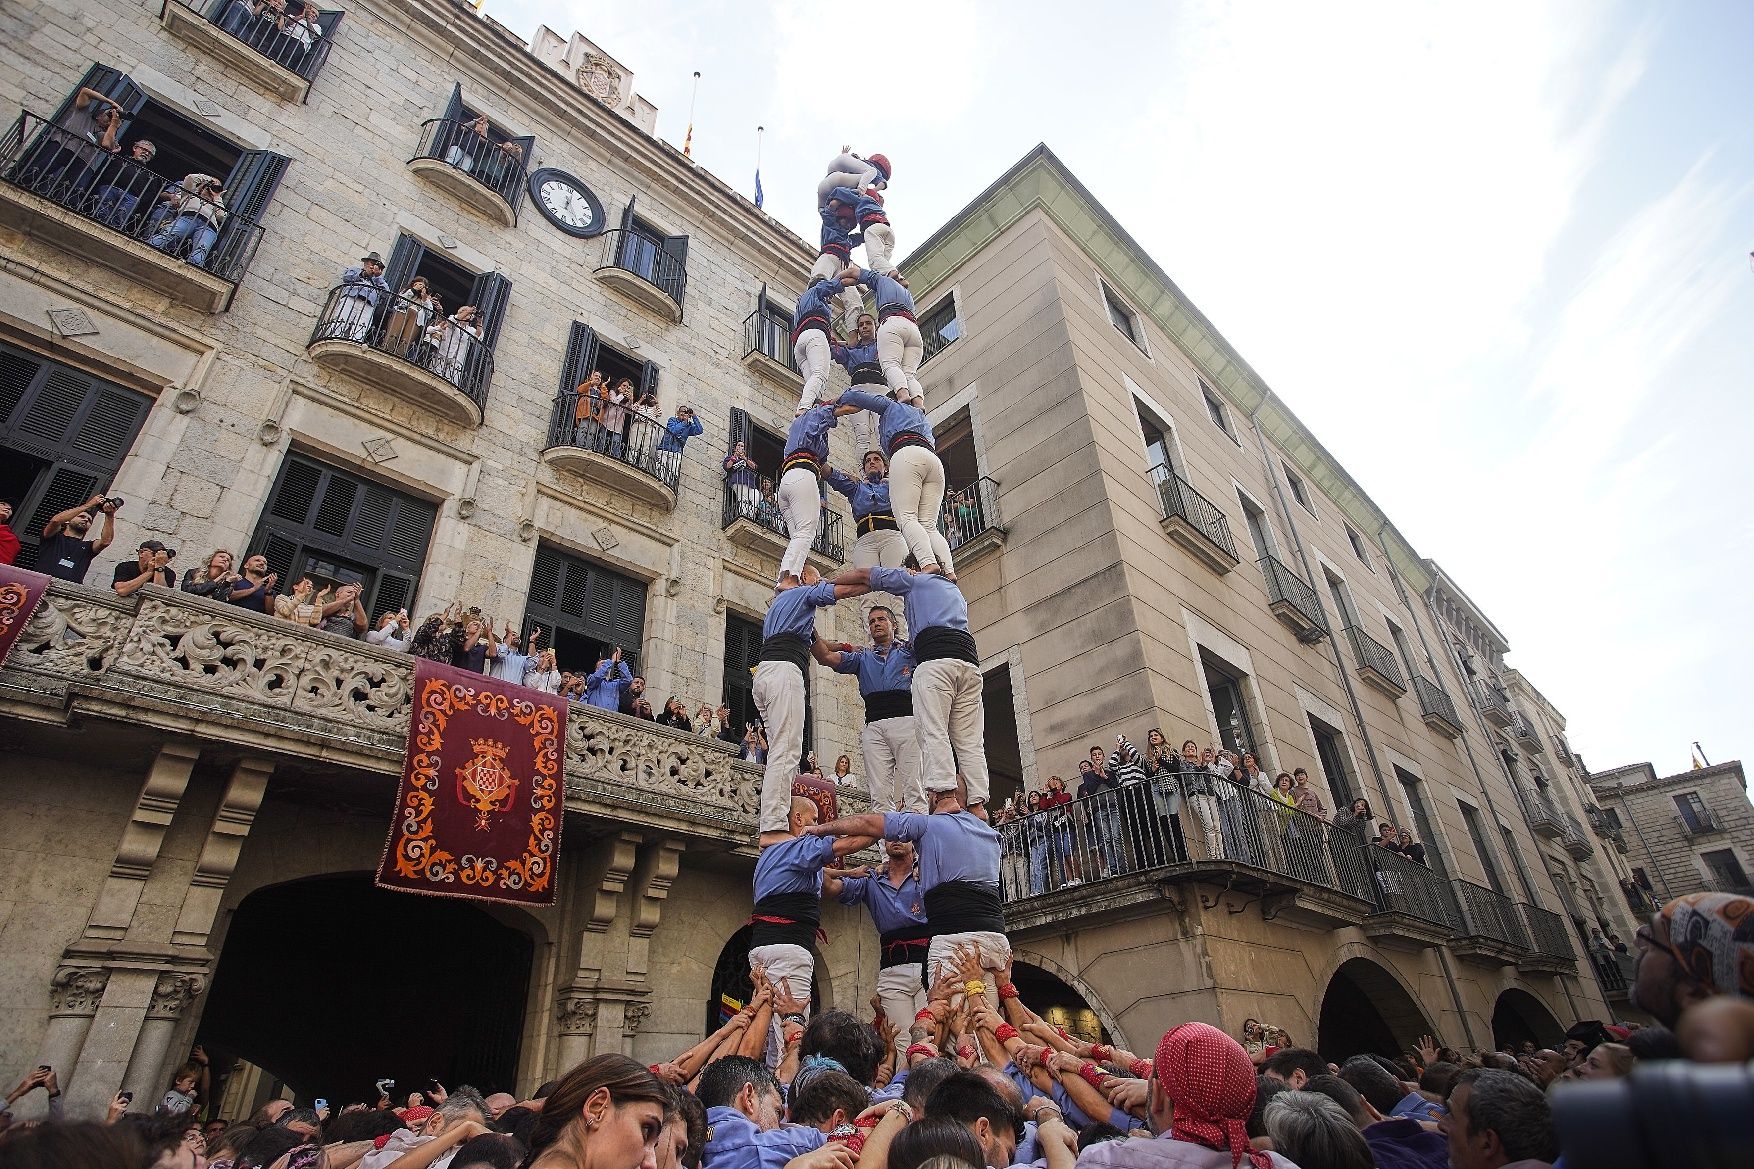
column 899, row 345
column 788, row 634
column 890, row 893
column 880, row 540
column 847, row 169
column 859, row 359
column 959, row 881
column 874, row 227
column 916, row 477
column 812, row 328
column 788, row 895
column 839, row 237
column 890, row 740
column 801, row 471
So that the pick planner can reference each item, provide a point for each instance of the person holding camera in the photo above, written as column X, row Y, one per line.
column 254, row 588
column 150, row 566
column 65, row 553
column 198, row 203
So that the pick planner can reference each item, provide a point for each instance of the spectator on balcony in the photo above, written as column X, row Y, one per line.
column 454, row 341
column 1410, row 848
column 740, row 478
column 1618, row 946
column 471, row 642
column 641, row 709
column 413, row 311
column 241, row 14
column 587, row 410
column 467, row 141
column 1138, row 808
column 727, row 729
column 1388, row 837
column 614, row 414
column 362, row 289
column 213, row 579
column 345, row 616
column 767, row 508
column 64, row 552
column 255, row 588
column 543, row 674
column 1200, row 787
column 677, row 432
column 299, row 605
column 1238, row 813
column 1061, row 854
column 754, row 749
column 392, row 632
column 299, row 32
column 9, row 541
column 511, row 659
column 121, row 183
column 603, row 688
column 1308, row 798
column 198, row 203
column 1101, row 814
column 675, row 715
column 149, row 567
column 633, row 692
column 77, row 139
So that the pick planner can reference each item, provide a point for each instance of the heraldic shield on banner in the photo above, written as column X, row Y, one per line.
column 479, row 810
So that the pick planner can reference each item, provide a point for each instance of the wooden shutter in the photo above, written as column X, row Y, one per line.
column 627, row 214
column 673, row 278
column 405, row 257
column 455, row 110
column 249, row 187
column 490, row 295
column 648, row 378
column 581, row 357
column 514, row 192
column 740, row 430
column 113, row 84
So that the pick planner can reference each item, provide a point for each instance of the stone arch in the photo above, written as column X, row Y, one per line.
column 1367, row 1007
column 328, row 982
column 1518, row 1015
column 1053, row 969
column 731, row 983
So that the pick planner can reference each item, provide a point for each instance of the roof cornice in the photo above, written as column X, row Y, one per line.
column 1039, row 180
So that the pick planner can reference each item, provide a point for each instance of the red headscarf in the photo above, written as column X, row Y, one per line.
column 1208, row 1077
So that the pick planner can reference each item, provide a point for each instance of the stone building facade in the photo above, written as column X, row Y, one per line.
column 1686, row 833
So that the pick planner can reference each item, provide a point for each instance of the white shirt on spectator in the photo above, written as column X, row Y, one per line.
column 387, row 638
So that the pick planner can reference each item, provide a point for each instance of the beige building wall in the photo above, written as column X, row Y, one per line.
column 1681, row 853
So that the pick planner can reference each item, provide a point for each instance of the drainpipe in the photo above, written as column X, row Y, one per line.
column 1333, row 641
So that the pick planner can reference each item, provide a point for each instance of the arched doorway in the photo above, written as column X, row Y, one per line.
column 1519, row 1017
column 330, row 983
column 731, row 985
column 1366, row 1009
column 1057, row 1001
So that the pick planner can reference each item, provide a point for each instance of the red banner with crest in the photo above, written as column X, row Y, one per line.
column 20, row 590
column 479, row 810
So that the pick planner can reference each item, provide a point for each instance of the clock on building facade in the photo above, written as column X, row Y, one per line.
column 567, row 203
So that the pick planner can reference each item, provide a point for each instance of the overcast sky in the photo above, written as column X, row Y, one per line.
column 1496, row 256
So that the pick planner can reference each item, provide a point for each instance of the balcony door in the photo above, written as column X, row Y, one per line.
column 1693, row 812
column 653, row 256
column 585, row 610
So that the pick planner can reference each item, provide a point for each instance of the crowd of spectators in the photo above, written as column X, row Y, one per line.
column 975, row 1086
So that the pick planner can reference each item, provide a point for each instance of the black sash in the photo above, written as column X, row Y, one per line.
column 888, row 704
column 877, row 522
column 960, row 907
column 908, row 438
column 867, row 374
column 904, row 945
column 785, row 919
column 783, row 647
column 940, row 641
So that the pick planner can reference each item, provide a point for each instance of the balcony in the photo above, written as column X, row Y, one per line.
column 637, row 267
column 1194, row 522
column 1495, row 705
column 113, row 212
column 1524, row 732
column 1543, row 816
column 1616, row 973
column 1293, row 602
column 1415, row 908
column 623, row 456
column 1576, row 841
column 398, row 347
column 1602, row 826
column 485, row 176
column 970, row 521
column 1698, row 822
column 1550, row 948
column 1436, row 708
column 753, row 521
column 1376, row 663
column 281, row 57
column 767, row 349
column 1111, row 851
column 1492, row 933
column 167, row 661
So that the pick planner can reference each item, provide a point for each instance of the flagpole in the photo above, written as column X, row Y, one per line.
column 688, row 139
column 759, row 131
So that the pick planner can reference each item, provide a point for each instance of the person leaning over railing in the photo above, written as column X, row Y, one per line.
column 198, row 202
column 353, row 305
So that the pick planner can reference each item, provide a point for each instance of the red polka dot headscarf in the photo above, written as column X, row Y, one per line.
column 1208, row 1077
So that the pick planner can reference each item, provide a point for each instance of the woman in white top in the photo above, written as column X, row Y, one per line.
column 392, row 632
column 454, row 344
column 544, row 675
column 843, row 772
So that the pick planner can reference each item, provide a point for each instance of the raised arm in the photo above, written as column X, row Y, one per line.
column 60, row 518
column 864, row 824
column 828, row 655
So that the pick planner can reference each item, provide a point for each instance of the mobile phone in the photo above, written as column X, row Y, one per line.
column 125, row 1097
column 319, row 1104
column 42, row 1067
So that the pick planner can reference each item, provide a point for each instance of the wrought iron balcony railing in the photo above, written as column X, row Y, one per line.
column 630, row 251
column 1193, row 520
column 1495, row 704
column 1489, row 914
column 411, row 334
column 762, row 508
column 1575, row 840
column 497, row 166
column 969, row 512
column 770, row 337
column 1699, row 822
column 579, row 421
column 296, row 38
column 1548, row 934
column 1293, row 601
column 1524, row 732
column 1376, row 661
column 1435, row 702
column 1401, row 886
column 1615, row 972
column 1543, row 816
column 120, row 193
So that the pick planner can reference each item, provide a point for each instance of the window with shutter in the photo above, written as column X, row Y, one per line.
column 585, row 609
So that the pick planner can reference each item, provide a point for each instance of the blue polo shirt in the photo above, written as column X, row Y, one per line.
column 879, row 671
column 733, row 1142
column 891, row 907
column 893, row 417
column 809, row 432
column 889, row 293
column 867, row 498
column 793, row 866
column 952, row 846
column 793, row 611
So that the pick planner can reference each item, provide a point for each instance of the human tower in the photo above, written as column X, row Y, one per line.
column 935, row 898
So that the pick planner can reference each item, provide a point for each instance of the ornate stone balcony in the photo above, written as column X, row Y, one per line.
column 169, row 661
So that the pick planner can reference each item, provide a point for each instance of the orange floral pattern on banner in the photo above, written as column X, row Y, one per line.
column 20, row 590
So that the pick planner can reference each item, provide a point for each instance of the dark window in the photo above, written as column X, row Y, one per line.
column 499, row 163
column 1641, row 878
column 1159, row 439
column 585, row 610
column 1482, row 848
column 1726, row 870
column 1404, row 649
column 1230, row 708
column 1693, row 811
column 651, row 255
column 1612, row 817
column 1123, row 318
column 1298, row 492
column 939, row 327
column 338, row 527
column 1215, row 411
column 1422, row 822
column 1259, row 530
column 742, row 653
column 63, row 434
column 1360, row 551
column 1342, row 599
column 1331, row 754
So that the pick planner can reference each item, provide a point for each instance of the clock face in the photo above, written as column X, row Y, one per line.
column 566, row 202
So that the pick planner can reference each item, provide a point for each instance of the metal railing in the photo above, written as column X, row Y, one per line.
column 296, row 43
column 771, row 337
column 1286, row 586
column 1524, row 731
column 632, row 251
column 464, row 146
column 1699, row 822
column 1399, row 885
column 1179, row 500
column 616, row 432
column 408, row 332
column 761, row 506
column 1548, row 933
column 1543, row 816
column 1487, row 913
column 1496, row 702
column 1616, row 972
column 119, row 192
column 1374, row 655
column 1434, row 701
column 1575, row 840
column 969, row 511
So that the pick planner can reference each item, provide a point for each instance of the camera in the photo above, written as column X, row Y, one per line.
column 1665, row 1112
column 106, row 500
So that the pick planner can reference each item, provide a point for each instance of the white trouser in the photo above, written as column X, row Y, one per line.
column 792, row 969
column 899, row 351
column 916, row 493
column 994, row 950
column 800, row 502
column 352, row 319
column 847, row 171
column 902, row 997
column 882, row 548
column 669, row 463
column 811, row 350
column 892, row 763
column 779, row 696
column 1206, row 812
column 951, row 719
column 879, row 247
column 826, row 267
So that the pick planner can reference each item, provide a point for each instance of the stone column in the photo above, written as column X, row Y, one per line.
column 576, row 1013
column 74, row 993
column 154, row 810
column 148, row 1071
